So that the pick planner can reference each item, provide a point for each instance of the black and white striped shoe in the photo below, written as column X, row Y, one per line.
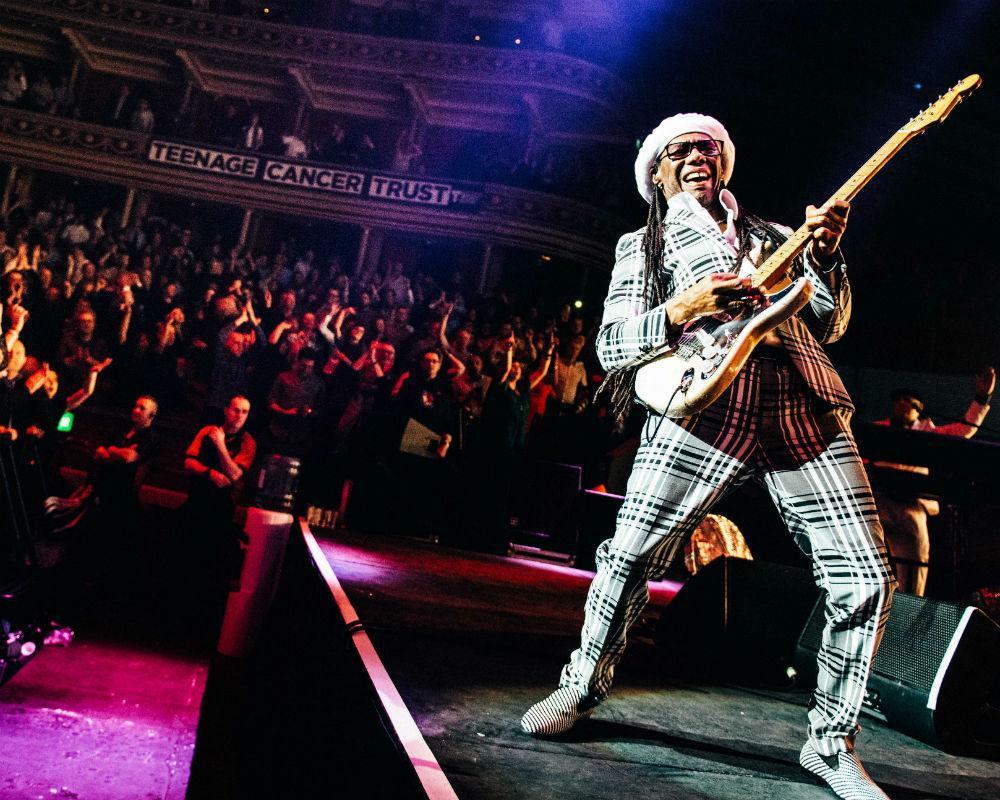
column 558, row 712
column 842, row 772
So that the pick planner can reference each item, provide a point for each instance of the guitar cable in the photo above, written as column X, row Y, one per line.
column 663, row 416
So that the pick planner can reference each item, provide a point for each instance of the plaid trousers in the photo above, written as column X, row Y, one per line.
column 768, row 425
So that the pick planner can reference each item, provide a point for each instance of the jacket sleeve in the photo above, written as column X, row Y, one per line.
column 829, row 310
column 630, row 333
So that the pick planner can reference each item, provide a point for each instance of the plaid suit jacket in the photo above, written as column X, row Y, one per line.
column 632, row 334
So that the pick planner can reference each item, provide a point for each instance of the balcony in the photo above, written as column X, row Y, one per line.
column 165, row 28
column 480, row 212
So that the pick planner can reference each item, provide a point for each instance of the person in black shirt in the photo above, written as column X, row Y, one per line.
column 425, row 395
column 217, row 459
column 116, row 471
column 119, row 467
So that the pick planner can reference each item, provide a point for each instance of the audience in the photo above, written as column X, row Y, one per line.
column 335, row 367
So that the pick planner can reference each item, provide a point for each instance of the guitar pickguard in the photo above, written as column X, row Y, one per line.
column 711, row 350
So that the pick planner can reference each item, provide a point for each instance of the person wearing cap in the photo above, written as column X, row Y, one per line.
column 902, row 513
column 783, row 421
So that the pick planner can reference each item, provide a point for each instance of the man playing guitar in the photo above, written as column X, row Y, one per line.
column 782, row 421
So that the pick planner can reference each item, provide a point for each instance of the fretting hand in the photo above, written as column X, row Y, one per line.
column 827, row 224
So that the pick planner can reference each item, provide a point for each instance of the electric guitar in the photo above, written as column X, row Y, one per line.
column 711, row 351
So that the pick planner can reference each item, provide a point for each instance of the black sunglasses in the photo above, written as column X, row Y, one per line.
column 676, row 151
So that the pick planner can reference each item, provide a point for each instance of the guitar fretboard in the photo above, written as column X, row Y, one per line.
column 774, row 270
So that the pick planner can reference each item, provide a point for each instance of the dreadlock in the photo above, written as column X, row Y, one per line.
column 618, row 388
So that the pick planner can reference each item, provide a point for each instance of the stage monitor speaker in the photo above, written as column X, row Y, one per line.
column 596, row 514
column 936, row 676
column 542, row 503
column 738, row 620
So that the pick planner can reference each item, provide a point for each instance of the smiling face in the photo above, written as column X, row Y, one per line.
column 696, row 173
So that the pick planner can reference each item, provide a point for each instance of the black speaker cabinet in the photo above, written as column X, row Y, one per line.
column 936, row 675
column 737, row 620
column 542, row 505
column 596, row 515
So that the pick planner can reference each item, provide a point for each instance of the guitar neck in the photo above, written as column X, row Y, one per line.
column 774, row 270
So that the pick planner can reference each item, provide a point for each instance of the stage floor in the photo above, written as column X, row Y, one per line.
column 102, row 719
column 472, row 640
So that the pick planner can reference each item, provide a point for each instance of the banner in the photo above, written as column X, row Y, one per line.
column 319, row 178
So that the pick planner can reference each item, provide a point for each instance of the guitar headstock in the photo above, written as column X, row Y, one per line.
column 942, row 107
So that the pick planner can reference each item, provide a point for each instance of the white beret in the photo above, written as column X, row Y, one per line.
column 670, row 128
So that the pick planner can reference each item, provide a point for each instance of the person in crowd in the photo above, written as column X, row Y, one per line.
column 107, row 503
column 336, row 148
column 252, row 134
column 294, row 401
column 14, row 86
column 431, row 339
column 373, row 370
column 121, row 464
column 470, row 388
column 282, row 312
column 425, row 395
column 364, row 153
column 234, row 360
column 119, row 112
column 811, row 467
column 500, row 443
column 143, row 120
column 64, row 99
column 346, row 346
column 42, row 94
column 13, row 317
column 217, row 461
column 570, row 376
column 505, row 413
column 407, row 150
column 297, row 337
column 398, row 329
column 81, row 353
column 902, row 513
column 294, row 146
column 13, row 394
column 76, row 233
column 227, row 131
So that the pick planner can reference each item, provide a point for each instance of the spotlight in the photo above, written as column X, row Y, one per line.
column 578, row 304
column 477, row 37
column 517, row 41
column 546, row 258
column 267, row 10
